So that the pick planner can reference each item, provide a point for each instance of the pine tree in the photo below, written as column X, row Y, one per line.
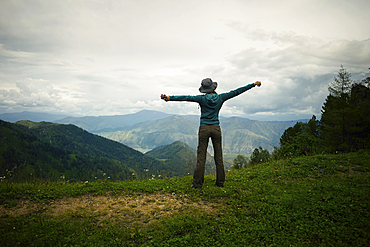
column 313, row 127
column 239, row 162
column 360, row 117
column 259, row 155
column 335, row 118
column 341, row 86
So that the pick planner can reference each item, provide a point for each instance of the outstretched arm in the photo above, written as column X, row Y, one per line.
column 188, row 98
column 233, row 93
column 197, row 98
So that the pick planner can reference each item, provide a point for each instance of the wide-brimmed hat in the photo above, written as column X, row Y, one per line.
column 208, row 86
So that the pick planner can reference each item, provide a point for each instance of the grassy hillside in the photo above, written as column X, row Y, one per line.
column 321, row 200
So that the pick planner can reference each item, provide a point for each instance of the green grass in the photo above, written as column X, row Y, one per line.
column 321, row 200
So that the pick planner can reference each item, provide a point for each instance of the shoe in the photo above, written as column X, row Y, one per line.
column 219, row 185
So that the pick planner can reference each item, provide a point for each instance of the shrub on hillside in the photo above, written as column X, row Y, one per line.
column 302, row 144
column 239, row 162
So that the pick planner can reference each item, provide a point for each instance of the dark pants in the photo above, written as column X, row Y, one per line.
column 206, row 132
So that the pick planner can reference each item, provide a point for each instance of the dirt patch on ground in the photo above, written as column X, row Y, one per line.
column 111, row 209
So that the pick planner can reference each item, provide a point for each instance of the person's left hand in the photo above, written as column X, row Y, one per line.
column 257, row 83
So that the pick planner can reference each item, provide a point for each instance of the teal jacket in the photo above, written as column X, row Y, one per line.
column 211, row 104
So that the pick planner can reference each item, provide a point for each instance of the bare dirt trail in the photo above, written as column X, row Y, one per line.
column 128, row 209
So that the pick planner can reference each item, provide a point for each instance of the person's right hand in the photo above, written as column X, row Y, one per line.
column 257, row 83
column 165, row 97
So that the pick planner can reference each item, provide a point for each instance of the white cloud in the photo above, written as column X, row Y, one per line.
column 117, row 57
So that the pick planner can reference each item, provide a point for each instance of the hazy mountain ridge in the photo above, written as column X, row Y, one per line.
column 147, row 129
column 243, row 141
column 240, row 135
column 31, row 116
column 112, row 123
column 151, row 134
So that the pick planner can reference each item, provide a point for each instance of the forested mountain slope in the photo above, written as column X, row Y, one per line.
column 30, row 150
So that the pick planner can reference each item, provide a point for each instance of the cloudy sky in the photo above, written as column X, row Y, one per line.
column 97, row 57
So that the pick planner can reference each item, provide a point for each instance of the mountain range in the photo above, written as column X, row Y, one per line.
column 112, row 123
column 49, row 151
column 31, row 116
column 240, row 135
column 146, row 130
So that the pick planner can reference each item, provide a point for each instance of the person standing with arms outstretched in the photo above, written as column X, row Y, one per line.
column 210, row 104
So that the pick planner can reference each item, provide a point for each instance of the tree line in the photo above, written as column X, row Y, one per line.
column 344, row 125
